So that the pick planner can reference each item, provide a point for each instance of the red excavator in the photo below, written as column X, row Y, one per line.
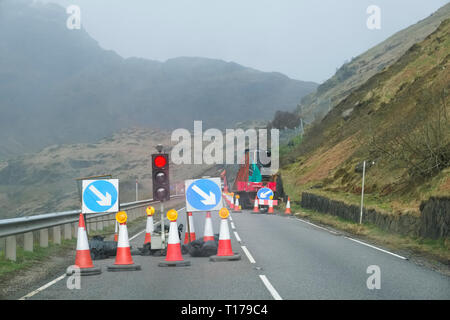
column 251, row 176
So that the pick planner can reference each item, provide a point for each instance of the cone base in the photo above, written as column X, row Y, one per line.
column 127, row 267
column 234, row 257
column 183, row 263
column 87, row 271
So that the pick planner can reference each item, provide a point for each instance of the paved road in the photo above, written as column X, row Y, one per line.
column 282, row 257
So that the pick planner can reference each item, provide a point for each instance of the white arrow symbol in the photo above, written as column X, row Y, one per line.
column 105, row 200
column 209, row 199
column 264, row 194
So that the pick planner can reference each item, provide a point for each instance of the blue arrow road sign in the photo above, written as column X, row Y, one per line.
column 203, row 195
column 100, row 196
column 264, row 193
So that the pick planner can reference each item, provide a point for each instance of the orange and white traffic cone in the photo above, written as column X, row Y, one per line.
column 256, row 205
column 231, row 202
column 208, row 234
column 149, row 228
column 190, row 234
column 116, row 229
column 224, row 251
column 173, row 256
column 83, row 256
column 124, row 261
column 270, row 206
column 288, row 207
column 237, row 206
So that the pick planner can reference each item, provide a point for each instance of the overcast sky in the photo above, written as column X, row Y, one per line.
column 304, row 39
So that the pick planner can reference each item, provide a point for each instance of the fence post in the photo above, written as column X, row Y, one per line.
column 28, row 241
column 43, row 238
column 57, row 234
column 67, row 231
column 10, row 252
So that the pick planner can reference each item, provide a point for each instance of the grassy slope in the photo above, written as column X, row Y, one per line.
column 388, row 103
column 360, row 69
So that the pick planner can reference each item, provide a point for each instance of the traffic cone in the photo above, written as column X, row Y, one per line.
column 237, row 206
column 191, row 229
column 288, row 207
column 124, row 261
column 116, row 235
column 208, row 234
column 224, row 251
column 173, row 256
column 270, row 206
column 256, row 205
column 83, row 256
column 231, row 202
column 149, row 227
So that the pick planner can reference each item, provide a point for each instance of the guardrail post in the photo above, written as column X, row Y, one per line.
column 93, row 225
column 100, row 224
column 57, row 234
column 75, row 229
column 43, row 238
column 67, row 231
column 10, row 252
column 28, row 241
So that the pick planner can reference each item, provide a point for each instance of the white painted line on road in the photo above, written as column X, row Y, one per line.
column 315, row 225
column 232, row 225
column 237, row 237
column 366, row 244
column 136, row 235
column 269, row 287
column 231, row 219
column 45, row 286
column 247, row 253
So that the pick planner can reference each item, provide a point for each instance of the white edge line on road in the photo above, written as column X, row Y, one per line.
column 269, row 287
column 247, row 253
column 315, row 225
column 232, row 225
column 229, row 217
column 366, row 244
column 45, row 286
column 237, row 237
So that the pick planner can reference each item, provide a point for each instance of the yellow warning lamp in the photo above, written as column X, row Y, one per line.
column 121, row 217
column 271, row 197
column 224, row 213
column 237, row 196
column 172, row 215
column 150, row 210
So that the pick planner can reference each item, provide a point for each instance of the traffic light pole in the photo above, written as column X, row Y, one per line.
column 163, row 236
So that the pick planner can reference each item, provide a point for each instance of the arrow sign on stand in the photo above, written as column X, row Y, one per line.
column 100, row 196
column 203, row 195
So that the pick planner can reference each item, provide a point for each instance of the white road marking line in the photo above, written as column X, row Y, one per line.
column 366, row 244
column 237, row 237
column 269, row 287
column 247, row 253
column 231, row 219
column 45, row 286
column 318, row 226
column 232, row 225
column 136, row 235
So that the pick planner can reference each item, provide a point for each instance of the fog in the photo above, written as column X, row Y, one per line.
column 305, row 40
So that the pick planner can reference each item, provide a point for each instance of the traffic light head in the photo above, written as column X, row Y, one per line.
column 160, row 174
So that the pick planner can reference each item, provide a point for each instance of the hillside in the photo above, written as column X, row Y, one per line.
column 399, row 121
column 361, row 68
column 59, row 86
column 45, row 181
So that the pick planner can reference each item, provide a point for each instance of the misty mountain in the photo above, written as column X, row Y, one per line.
column 59, row 86
column 358, row 70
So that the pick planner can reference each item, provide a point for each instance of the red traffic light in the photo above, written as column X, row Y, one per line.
column 160, row 161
